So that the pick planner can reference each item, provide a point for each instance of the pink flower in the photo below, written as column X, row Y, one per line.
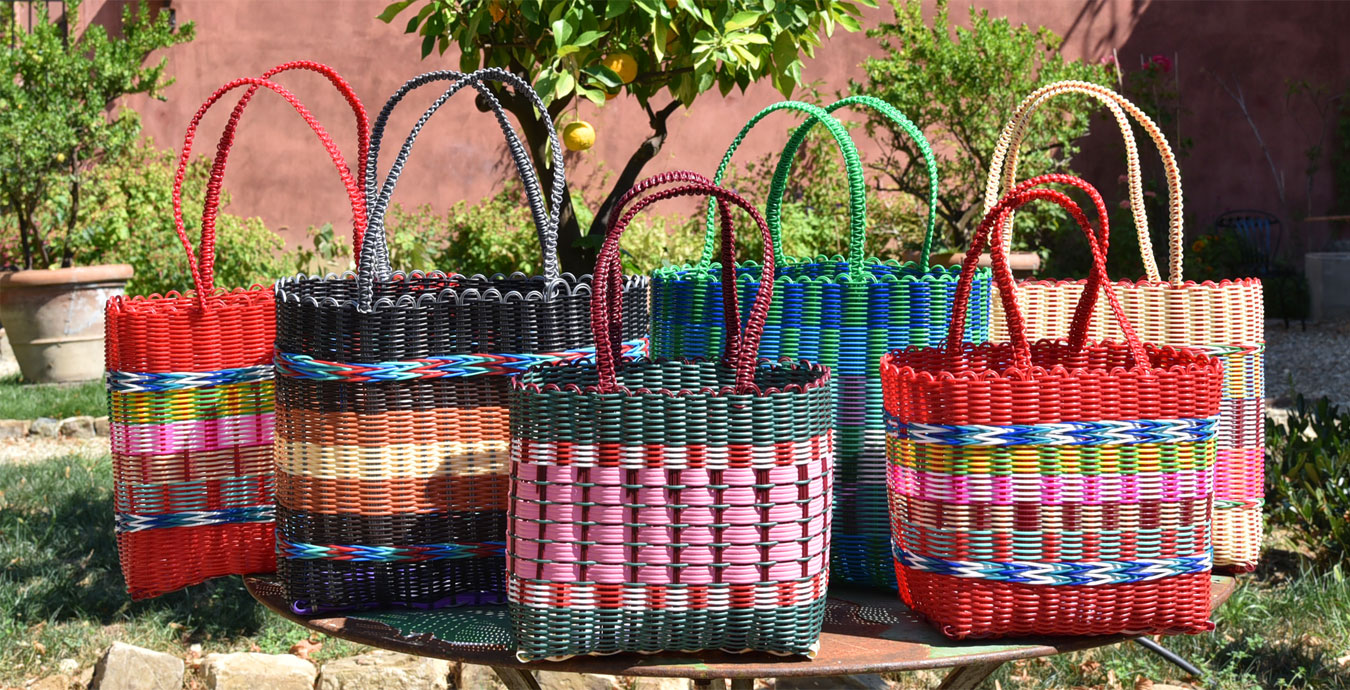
column 1162, row 62
column 1123, row 178
column 1108, row 59
column 1124, row 203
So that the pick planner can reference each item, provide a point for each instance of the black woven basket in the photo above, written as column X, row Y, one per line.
column 392, row 425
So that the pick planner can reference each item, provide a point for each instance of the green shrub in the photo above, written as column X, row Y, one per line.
column 127, row 217
column 1308, row 477
column 495, row 235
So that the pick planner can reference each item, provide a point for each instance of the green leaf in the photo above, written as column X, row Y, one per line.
column 545, row 84
column 468, row 61
column 784, row 50
column 393, row 9
column 587, row 38
column 428, row 43
column 848, row 22
column 604, row 75
column 562, row 32
column 616, row 8
column 595, row 96
column 742, row 20
column 566, row 82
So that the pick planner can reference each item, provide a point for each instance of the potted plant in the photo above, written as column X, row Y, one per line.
column 58, row 119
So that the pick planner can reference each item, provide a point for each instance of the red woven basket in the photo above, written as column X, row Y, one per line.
column 190, row 393
column 1057, row 488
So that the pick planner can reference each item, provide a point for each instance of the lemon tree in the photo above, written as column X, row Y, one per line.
column 663, row 53
column 59, row 115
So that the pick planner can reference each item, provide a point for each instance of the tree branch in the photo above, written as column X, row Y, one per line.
column 643, row 155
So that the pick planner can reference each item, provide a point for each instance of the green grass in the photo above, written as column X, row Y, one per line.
column 20, row 400
column 62, row 593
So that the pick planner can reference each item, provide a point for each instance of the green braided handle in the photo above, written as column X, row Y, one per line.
column 772, row 212
column 857, row 189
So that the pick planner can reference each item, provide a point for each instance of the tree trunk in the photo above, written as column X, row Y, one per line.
column 643, row 155
column 577, row 252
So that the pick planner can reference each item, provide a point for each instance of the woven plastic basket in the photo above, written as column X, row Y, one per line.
column 670, row 505
column 392, row 424
column 191, row 398
column 1225, row 319
column 1063, row 487
column 844, row 313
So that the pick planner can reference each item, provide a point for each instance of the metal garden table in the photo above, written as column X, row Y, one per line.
column 865, row 632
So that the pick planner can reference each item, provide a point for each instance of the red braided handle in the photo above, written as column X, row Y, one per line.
column 731, row 309
column 1021, row 195
column 204, row 287
column 216, row 180
column 608, row 274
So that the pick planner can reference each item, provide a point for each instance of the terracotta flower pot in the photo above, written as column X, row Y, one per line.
column 54, row 319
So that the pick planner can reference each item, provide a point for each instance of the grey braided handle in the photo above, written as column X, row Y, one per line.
column 373, row 264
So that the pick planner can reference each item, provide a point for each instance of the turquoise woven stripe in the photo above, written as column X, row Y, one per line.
column 1059, row 434
column 1081, row 573
column 132, row 522
column 448, row 366
column 139, row 382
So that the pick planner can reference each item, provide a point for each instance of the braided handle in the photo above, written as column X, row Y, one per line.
column 203, row 283
column 374, row 263
column 1021, row 195
column 730, row 298
column 1016, row 129
column 608, row 274
column 857, row 186
column 773, row 210
column 216, row 181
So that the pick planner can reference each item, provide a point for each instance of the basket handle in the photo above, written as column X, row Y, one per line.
column 1014, row 132
column 216, row 180
column 374, row 264
column 203, row 283
column 730, row 298
column 773, row 209
column 857, row 187
column 608, row 273
column 1021, row 195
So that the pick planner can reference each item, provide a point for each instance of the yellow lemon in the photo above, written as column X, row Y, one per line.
column 623, row 65
column 578, row 136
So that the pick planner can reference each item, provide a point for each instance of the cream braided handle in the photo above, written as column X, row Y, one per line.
column 1015, row 131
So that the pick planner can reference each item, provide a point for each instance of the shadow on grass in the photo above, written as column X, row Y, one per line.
column 1283, row 663
column 60, row 551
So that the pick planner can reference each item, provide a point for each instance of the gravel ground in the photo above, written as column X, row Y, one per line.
column 1315, row 362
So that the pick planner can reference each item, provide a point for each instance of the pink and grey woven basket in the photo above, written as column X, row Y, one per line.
column 670, row 505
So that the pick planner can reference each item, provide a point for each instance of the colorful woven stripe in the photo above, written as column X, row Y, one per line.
column 152, row 382
column 452, row 366
column 128, row 522
column 1078, row 573
column 198, row 435
column 1061, row 434
column 387, row 554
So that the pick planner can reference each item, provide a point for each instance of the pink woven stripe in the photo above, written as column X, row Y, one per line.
column 196, row 435
column 1240, row 474
column 1051, row 490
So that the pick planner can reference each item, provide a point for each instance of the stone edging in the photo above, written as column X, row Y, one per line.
column 48, row 427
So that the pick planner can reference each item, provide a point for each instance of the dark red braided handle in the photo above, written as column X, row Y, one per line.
column 744, row 358
column 1021, row 195
column 202, row 287
column 216, row 180
column 731, row 310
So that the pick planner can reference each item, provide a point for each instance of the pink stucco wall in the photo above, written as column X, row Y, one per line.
column 279, row 172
